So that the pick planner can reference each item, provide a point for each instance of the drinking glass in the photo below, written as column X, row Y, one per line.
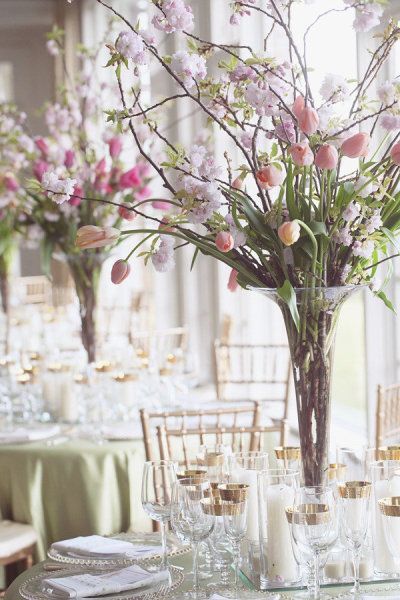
column 354, row 504
column 356, row 461
column 218, row 541
column 158, row 480
column 390, row 510
column 234, row 500
column 189, row 521
column 315, row 524
column 288, row 457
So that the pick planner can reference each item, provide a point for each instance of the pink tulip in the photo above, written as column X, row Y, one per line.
column 289, row 232
column 270, row 176
column 101, row 166
column 395, row 154
column 144, row 193
column 120, row 271
column 356, row 146
column 101, row 183
column 224, row 241
column 301, row 154
column 308, row 120
column 237, row 183
column 161, row 205
column 298, row 106
column 39, row 169
column 125, row 213
column 69, row 158
column 41, row 145
column 232, row 281
column 327, row 157
column 10, row 182
column 91, row 236
column 76, row 198
column 115, row 146
column 129, row 179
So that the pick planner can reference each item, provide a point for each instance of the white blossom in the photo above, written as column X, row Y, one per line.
column 59, row 190
column 334, row 88
column 188, row 67
column 131, row 45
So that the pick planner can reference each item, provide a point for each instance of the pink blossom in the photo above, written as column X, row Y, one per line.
column 301, row 154
column 390, row 122
column 298, row 106
column 39, row 168
column 374, row 222
column 144, row 193
column 285, row 131
column 101, row 166
column 289, row 232
column 246, row 139
column 232, row 281
column 129, row 179
column 161, row 205
column 241, row 72
column 334, row 88
column 367, row 17
column 143, row 169
column 239, row 237
column 10, row 182
column 204, row 163
column 58, row 190
column 69, row 158
column 115, row 146
column 204, row 199
column 387, row 93
column 363, row 249
column 91, row 236
column 343, row 236
column 260, row 97
column 351, row 212
column 395, row 153
column 41, row 145
column 125, row 212
column 163, row 259
column 188, row 67
column 270, row 176
column 120, row 271
column 76, row 197
column 52, row 47
column 237, row 183
column 176, row 16
column 131, row 45
column 356, row 146
column 224, row 241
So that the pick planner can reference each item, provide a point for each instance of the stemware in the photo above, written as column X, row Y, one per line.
column 189, row 521
column 234, row 501
column 315, row 525
column 288, row 457
column 158, row 480
column 355, row 502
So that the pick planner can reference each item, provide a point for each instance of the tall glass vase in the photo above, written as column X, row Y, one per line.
column 312, row 347
column 85, row 270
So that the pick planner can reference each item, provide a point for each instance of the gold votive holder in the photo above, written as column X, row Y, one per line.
column 80, row 378
column 336, row 471
column 103, row 366
column 388, row 453
column 233, row 492
column 58, row 368
column 287, row 452
column 122, row 377
column 23, row 378
column 197, row 475
column 310, row 514
column 390, row 507
column 354, row 489
column 219, row 508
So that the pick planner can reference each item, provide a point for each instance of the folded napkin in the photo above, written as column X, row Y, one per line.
column 87, row 586
column 28, row 434
column 98, row 546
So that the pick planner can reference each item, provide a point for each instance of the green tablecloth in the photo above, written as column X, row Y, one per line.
column 70, row 489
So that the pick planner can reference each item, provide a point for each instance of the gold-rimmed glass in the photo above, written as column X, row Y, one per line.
column 390, row 513
column 355, row 503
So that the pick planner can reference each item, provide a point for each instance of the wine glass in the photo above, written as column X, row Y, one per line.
column 234, row 500
column 315, row 524
column 189, row 521
column 159, row 477
column 355, row 501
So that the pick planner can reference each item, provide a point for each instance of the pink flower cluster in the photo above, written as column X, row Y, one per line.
column 176, row 16
column 131, row 45
column 163, row 259
column 188, row 67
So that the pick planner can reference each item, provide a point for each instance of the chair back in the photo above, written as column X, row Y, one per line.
column 33, row 290
column 180, row 444
column 388, row 415
column 258, row 372
column 213, row 417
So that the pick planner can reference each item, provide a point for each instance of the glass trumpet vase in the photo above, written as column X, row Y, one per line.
column 311, row 347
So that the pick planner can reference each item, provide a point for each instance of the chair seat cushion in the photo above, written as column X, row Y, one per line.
column 14, row 537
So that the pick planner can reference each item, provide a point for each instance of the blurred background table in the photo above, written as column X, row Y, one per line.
column 77, row 487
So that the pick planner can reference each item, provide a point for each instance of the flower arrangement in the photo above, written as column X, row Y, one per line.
column 79, row 179
column 313, row 203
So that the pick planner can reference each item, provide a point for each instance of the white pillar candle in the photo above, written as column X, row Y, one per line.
column 69, row 406
column 335, row 569
column 281, row 561
column 249, row 476
column 366, row 568
column 383, row 559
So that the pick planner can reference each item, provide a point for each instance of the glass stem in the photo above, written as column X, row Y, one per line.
column 164, row 560
column 195, row 548
column 236, row 558
column 311, row 578
column 356, row 566
column 315, row 593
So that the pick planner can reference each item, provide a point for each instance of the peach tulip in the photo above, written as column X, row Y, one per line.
column 125, row 212
column 120, row 271
column 91, row 236
column 327, row 157
column 224, row 241
column 237, row 183
column 298, row 106
column 301, row 154
column 308, row 120
column 270, row 176
column 289, row 232
column 395, row 154
column 232, row 281
column 161, row 204
column 356, row 146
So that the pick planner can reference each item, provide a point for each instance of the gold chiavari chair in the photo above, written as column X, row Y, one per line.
column 177, row 444
column 259, row 372
column 247, row 414
column 33, row 290
column 388, row 415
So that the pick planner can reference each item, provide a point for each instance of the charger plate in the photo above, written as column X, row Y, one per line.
column 32, row 588
column 175, row 548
